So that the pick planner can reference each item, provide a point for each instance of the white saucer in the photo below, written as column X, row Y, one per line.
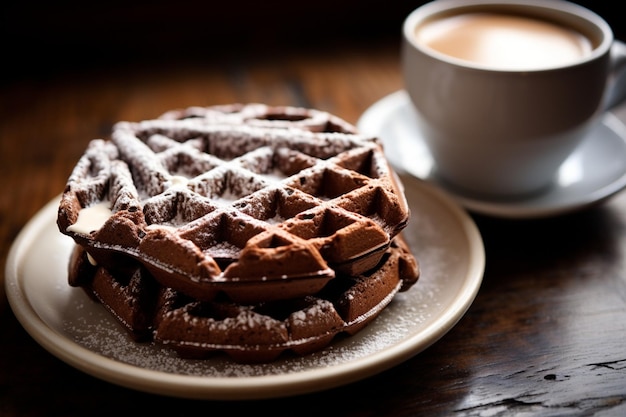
column 595, row 172
column 80, row 332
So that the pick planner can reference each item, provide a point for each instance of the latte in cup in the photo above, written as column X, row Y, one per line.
column 504, row 41
column 503, row 91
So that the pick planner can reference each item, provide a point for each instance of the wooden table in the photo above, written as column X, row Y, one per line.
column 545, row 335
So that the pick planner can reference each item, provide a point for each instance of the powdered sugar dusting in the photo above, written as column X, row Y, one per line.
column 231, row 173
column 249, row 160
column 93, row 328
column 65, row 317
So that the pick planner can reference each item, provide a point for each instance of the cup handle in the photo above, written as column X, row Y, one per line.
column 616, row 91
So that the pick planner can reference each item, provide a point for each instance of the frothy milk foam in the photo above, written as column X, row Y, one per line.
column 504, row 41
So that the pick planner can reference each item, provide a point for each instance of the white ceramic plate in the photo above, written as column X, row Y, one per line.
column 593, row 173
column 80, row 332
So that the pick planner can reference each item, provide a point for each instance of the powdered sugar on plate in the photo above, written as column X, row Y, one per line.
column 79, row 331
column 90, row 326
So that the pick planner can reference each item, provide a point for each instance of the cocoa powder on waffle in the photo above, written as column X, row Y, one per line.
column 246, row 203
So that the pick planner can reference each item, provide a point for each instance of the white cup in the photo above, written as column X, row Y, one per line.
column 503, row 126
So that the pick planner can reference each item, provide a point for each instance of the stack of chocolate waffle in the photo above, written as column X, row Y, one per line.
column 245, row 229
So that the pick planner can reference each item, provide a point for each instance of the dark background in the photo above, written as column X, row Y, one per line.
column 43, row 39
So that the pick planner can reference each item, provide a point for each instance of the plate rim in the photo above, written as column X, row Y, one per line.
column 386, row 105
column 248, row 387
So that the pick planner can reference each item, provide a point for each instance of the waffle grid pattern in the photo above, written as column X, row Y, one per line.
column 241, row 200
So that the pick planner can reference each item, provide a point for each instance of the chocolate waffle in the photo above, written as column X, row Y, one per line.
column 249, row 333
column 245, row 203
column 233, row 204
